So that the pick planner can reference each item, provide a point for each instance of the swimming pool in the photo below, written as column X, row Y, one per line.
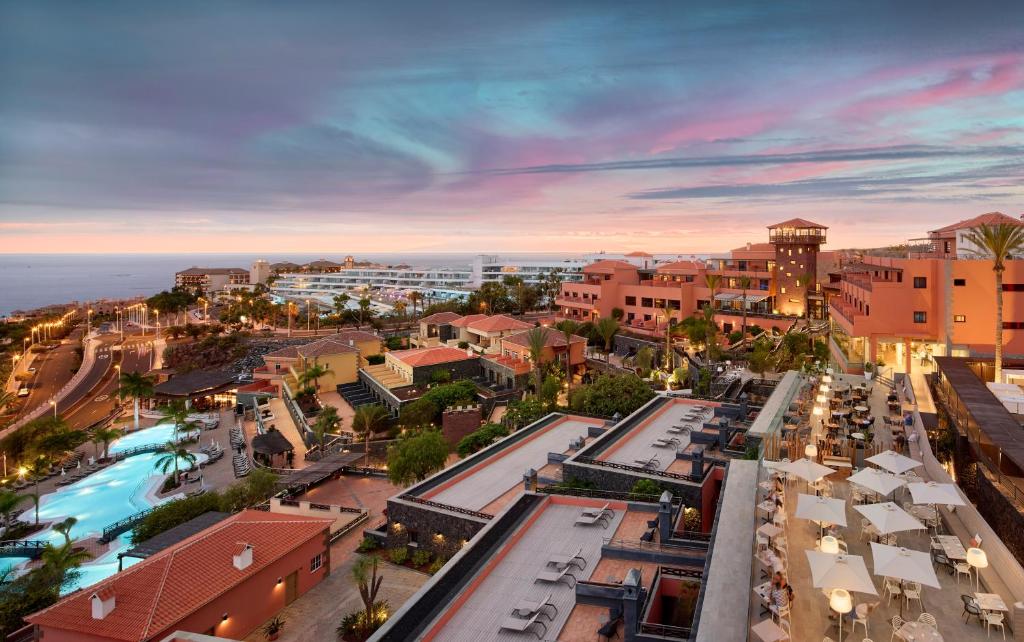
column 160, row 434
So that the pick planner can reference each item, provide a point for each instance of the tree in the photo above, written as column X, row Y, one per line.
column 105, row 436
column 364, row 572
column 6, row 398
column 60, row 561
column 712, row 281
column 364, row 309
column 369, row 419
column 524, row 412
column 548, row 391
column 341, row 303
column 998, row 242
column 137, row 386
column 612, row 394
column 313, row 374
column 414, row 458
column 808, row 279
column 644, row 359
column 536, row 341
column 326, row 422
column 400, row 308
column 568, row 328
column 607, row 327
column 9, row 502
column 171, row 454
column 418, row 414
column 177, row 413
column 670, row 324
column 761, row 360
column 745, row 282
column 64, row 528
column 37, row 469
column 415, row 297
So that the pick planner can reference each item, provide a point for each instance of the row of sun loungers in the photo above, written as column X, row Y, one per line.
column 241, row 465
column 236, row 438
column 590, row 516
column 527, row 613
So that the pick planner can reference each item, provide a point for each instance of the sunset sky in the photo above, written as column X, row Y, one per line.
column 341, row 127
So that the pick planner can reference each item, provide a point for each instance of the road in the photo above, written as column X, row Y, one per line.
column 100, row 399
column 53, row 371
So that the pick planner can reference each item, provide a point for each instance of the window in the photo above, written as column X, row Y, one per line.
column 782, row 290
column 960, row 282
column 316, row 563
column 1013, row 287
column 920, row 317
column 945, row 247
column 630, row 300
column 647, row 302
column 959, row 318
column 1013, row 325
column 920, row 282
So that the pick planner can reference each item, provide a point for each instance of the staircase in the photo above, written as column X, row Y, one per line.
column 356, row 394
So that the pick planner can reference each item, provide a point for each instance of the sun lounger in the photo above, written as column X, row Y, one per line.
column 599, row 511
column 562, row 560
column 665, row 442
column 519, row 624
column 587, row 520
column 528, row 608
column 555, row 577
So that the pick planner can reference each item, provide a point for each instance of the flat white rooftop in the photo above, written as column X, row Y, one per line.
column 494, row 476
column 639, row 444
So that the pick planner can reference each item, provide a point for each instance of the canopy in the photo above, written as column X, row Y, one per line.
column 894, row 462
column 904, row 564
column 934, row 493
column 821, row 509
column 876, row 480
column 725, row 296
column 888, row 517
column 806, row 469
column 840, row 571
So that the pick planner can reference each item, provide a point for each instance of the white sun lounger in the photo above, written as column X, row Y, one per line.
column 587, row 520
column 528, row 608
column 598, row 511
column 562, row 560
column 555, row 577
column 519, row 624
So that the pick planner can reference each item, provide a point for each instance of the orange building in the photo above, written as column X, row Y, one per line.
column 512, row 364
column 226, row 580
column 901, row 312
column 784, row 284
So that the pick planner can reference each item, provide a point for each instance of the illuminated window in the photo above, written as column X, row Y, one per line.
column 959, row 318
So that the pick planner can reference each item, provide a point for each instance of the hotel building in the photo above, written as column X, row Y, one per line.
column 784, row 275
column 207, row 279
column 902, row 312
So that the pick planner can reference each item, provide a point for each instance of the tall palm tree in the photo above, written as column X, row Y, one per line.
column 137, row 386
column 177, row 413
column 568, row 328
column 998, row 242
column 64, row 528
column 536, row 341
column 58, row 560
column 607, row 328
column 326, row 422
column 36, row 469
column 712, row 282
column 667, row 311
column 744, row 282
column 105, row 436
column 313, row 374
column 368, row 420
column 170, row 455
column 364, row 308
column 415, row 297
column 400, row 308
column 364, row 572
column 9, row 502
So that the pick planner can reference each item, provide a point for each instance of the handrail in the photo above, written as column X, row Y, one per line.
column 111, row 531
column 433, row 504
column 638, row 469
column 604, row 494
column 640, row 545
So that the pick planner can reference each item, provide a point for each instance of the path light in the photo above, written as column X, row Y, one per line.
column 978, row 560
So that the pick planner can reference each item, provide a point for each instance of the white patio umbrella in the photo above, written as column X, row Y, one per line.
column 894, row 462
column 823, row 510
column 904, row 564
column 806, row 469
column 888, row 517
column 935, row 493
column 876, row 480
column 840, row 571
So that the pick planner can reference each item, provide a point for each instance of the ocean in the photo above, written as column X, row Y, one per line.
column 30, row 281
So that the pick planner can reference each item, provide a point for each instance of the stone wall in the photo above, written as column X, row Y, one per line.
column 465, row 369
column 1001, row 513
column 408, row 522
column 622, row 481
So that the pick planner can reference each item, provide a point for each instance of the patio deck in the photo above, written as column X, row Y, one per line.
column 495, row 476
column 637, row 444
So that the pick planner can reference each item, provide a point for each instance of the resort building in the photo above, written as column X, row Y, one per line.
column 404, row 375
column 259, row 272
column 200, row 279
column 512, row 364
column 784, row 284
column 482, row 333
column 224, row 581
column 902, row 312
column 342, row 354
column 436, row 329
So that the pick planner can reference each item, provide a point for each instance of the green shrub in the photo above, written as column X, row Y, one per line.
column 355, row 622
column 735, row 337
column 375, row 359
column 368, row 544
column 479, row 439
column 463, row 345
column 436, row 565
column 645, row 487
column 395, row 343
column 398, row 555
column 420, row 558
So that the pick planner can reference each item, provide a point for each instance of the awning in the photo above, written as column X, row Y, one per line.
column 754, row 298
column 726, row 296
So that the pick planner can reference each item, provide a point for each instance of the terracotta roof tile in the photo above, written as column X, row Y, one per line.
column 607, row 265
column 798, row 222
column 466, row 320
column 498, row 323
column 327, row 345
column 419, row 357
column 439, row 318
column 991, row 218
column 160, row 591
column 287, row 352
column 554, row 338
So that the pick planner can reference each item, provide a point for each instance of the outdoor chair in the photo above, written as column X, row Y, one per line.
column 529, row 608
column 554, row 577
column 589, row 520
column 897, row 623
column 970, row 608
column 995, row 619
column 648, row 536
column 939, row 558
column 863, row 621
column 892, row 589
column 518, row 624
column 563, row 560
column 609, row 629
column 929, row 619
column 780, row 612
column 962, row 568
column 912, row 591
column 786, row 628
column 604, row 511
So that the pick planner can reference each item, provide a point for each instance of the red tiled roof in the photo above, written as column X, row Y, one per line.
column 554, row 338
column 327, row 345
column 440, row 318
column 639, row 254
column 991, row 218
column 498, row 323
column 419, row 357
column 679, row 265
column 466, row 320
column 755, row 247
column 258, row 386
column 517, row 366
column 607, row 265
column 354, row 335
column 158, row 592
column 798, row 222
column 287, row 352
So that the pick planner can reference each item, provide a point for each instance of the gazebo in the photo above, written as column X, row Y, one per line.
column 272, row 449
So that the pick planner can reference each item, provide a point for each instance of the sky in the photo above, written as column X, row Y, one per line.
column 340, row 127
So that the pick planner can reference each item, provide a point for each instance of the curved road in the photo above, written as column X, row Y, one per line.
column 53, row 371
column 101, row 400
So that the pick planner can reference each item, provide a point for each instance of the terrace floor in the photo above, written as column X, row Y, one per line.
column 638, row 444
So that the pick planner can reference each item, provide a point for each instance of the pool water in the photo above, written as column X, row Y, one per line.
column 160, row 434
column 98, row 500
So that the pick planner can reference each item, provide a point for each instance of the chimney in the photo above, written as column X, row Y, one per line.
column 102, row 603
column 243, row 559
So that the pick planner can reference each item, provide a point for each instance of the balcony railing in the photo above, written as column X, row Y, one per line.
column 780, row 236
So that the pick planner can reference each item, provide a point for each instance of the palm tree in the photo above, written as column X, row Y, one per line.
column 364, row 572
column 808, row 279
column 105, row 436
column 568, row 328
column 64, row 528
column 312, row 374
column 400, row 308
column 177, row 413
column 364, row 308
column 58, row 560
column 368, row 420
column 998, row 242
column 607, row 328
column 171, row 453
column 135, row 385
column 9, row 502
column 536, row 341
column 414, row 298
column 36, row 469
column 667, row 311
column 712, row 281
column 6, row 398
column 744, row 282
column 326, row 422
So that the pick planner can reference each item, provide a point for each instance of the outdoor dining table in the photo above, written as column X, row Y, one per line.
column 861, row 408
column 767, row 506
column 990, row 602
column 769, row 530
column 918, row 632
column 764, row 591
column 952, row 547
column 769, row 631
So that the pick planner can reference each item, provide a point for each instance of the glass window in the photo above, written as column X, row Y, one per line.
column 960, row 282
column 920, row 282
column 959, row 318
column 920, row 317
column 647, row 302
column 316, row 562
column 630, row 300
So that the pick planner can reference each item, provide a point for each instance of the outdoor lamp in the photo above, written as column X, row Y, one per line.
column 978, row 560
column 811, row 451
column 830, row 545
column 841, row 603
column 818, row 411
column 224, row 617
column 821, row 398
column 823, row 387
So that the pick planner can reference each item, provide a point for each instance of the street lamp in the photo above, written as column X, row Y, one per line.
column 88, row 321
column 54, row 404
column 307, row 315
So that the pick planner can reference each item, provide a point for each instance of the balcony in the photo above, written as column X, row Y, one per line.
column 798, row 236
column 844, row 310
column 574, row 303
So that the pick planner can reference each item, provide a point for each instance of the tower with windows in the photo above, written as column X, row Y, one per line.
column 797, row 243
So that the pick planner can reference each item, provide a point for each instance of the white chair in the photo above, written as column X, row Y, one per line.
column 781, row 612
column 994, row 619
column 787, row 629
column 929, row 619
column 892, row 589
column 912, row 591
column 897, row 624
column 865, row 528
column 762, row 542
column 962, row 568
column 862, row 620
